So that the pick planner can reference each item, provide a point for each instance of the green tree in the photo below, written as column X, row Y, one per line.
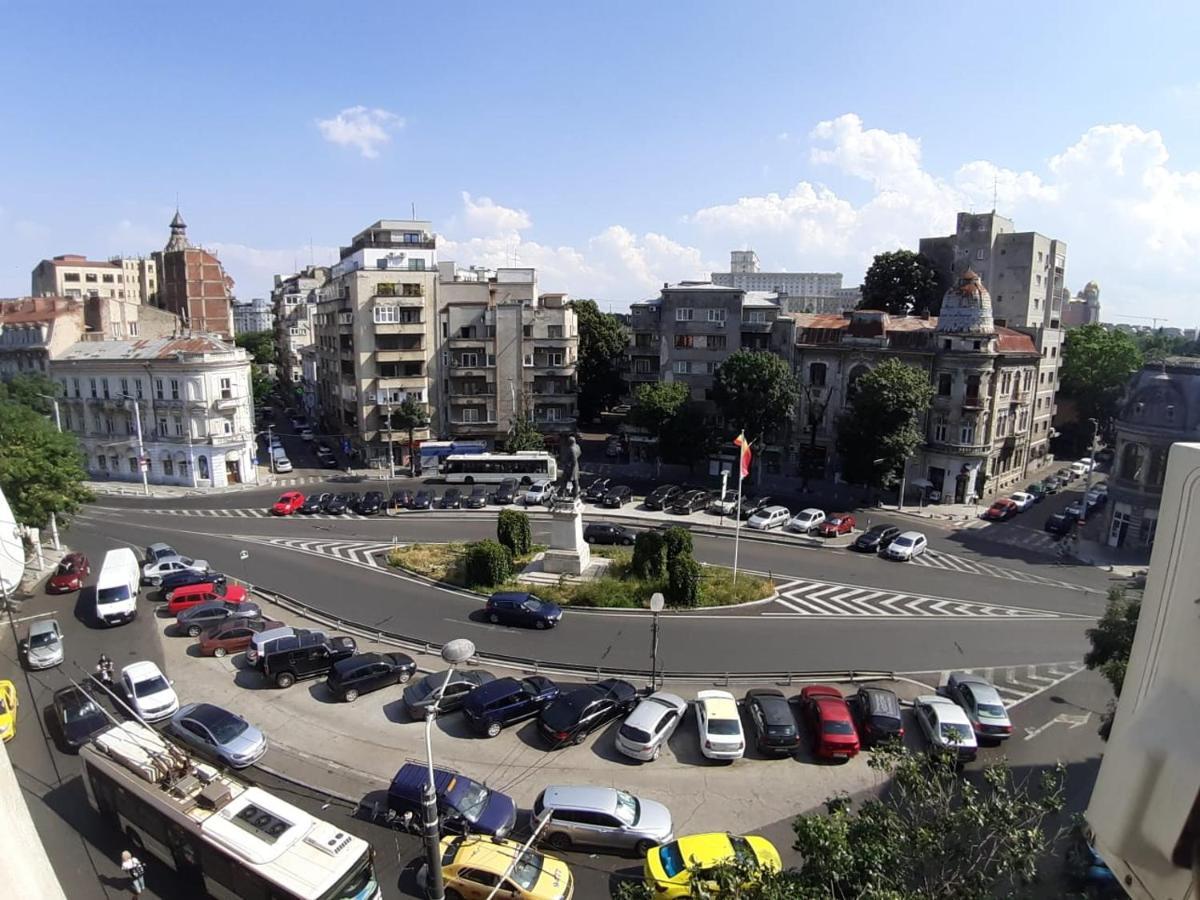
column 409, row 416
column 659, row 407
column 902, row 282
column 649, row 556
column 1096, row 366
column 31, row 390
column 602, row 342
column 487, row 564
column 688, row 438
column 260, row 345
column 261, row 387
column 41, row 469
column 757, row 393
column 523, row 435
column 678, row 541
column 884, row 425
column 683, row 581
column 514, row 532
column 1112, row 638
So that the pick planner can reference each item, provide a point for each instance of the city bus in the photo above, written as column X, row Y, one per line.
column 431, row 453
column 526, row 466
column 233, row 839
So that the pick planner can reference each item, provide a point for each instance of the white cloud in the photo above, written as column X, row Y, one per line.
column 483, row 217
column 365, row 129
column 254, row 269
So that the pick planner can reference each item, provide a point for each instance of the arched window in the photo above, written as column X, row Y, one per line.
column 1158, row 467
column 202, row 466
column 1132, row 459
column 852, row 382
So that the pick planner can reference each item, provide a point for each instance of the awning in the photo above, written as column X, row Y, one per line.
column 922, row 482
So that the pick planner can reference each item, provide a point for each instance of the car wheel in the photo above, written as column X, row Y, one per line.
column 219, row 652
column 193, row 631
column 468, row 480
column 657, row 752
column 578, row 738
column 590, row 539
column 493, row 729
column 494, row 619
column 539, row 624
column 559, row 841
column 285, row 680
column 627, row 542
column 351, row 695
column 641, row 848
column 404, row 677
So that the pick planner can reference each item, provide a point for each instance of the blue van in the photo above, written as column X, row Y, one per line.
column 464, row 805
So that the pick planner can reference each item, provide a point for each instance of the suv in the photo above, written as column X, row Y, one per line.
column 307, row 656
column 520, row 608
column 463, row 803
column 506, row 491
column 506, row 701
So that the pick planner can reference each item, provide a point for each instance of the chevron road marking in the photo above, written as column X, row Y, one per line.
column 1037, row 679
column 935, row 559
column 357, row 553
column 819, row 599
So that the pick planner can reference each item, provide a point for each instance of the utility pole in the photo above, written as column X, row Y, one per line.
column 137, row 420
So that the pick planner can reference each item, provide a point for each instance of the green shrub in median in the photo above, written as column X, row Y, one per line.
column 678, row 541
column 487, row 563
column 513, row 531
column 649, row 556
column 683, row 581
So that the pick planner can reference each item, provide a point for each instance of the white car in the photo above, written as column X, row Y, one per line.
column 769, row 517
column 539, row 493
column 807, row 521
column 908, row 545
column 1088, row 464
column 946, row 726
column 306, row 434
column 153, row 573
column 149, row 692
column 1080, row 469
column 647, row 729
column 1022, row 499
column 719, row 725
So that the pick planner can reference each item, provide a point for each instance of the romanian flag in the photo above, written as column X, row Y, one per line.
column 740, row 441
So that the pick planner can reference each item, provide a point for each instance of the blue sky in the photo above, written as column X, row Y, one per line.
column 614, row 146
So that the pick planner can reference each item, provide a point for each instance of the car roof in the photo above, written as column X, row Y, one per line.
column 720, row 704
column 141, row 669
column 207, row 714
column 519, row 596
column 44, row 625
column 774, row 705
column 947, row 710
column 912, row 535
column 880, row 701
column 649, row 712
column 580, row 796
column 811, row 511
column 358, row 659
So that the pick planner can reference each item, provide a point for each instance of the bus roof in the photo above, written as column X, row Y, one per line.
column 483, row 457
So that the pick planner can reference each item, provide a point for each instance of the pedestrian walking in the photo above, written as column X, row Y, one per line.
column 132, row 866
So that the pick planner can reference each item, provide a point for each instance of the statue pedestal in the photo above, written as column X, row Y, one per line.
column 569, row 554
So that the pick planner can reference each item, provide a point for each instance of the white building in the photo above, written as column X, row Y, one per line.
column 294, row 298
column 253, row 315
column 745, row 275
column 191, row 397
column 132, row 278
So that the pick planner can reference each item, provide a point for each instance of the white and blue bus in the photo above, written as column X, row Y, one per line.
column 527, row 466
column 433, row 452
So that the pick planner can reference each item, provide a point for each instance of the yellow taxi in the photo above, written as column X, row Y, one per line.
column 669, row 867
column 8, row 710
column 473, row 866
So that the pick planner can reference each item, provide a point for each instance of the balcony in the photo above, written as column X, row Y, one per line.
column 464, row 395
column 545, row 341
column 481, row 341
column 960, row 448
column 228, row 404
column 414, row 354
column 479, row 370
column 226, row 440
column 977, row 402
column 399, row 327
column 399, row 291
column 755, row 327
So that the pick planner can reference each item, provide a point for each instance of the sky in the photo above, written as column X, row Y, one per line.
column 613, row 146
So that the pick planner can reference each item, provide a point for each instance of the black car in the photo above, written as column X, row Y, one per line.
column 366, row 672
column 572, row 716
column 370, row 503
column 422, row 500
column 876, row 711
column 400, row 500
column 315, row 503
column 751, row 505
column 326, row 458
column 78, row 715
column 596, row 490
column 506, row 491
column 338, row 504
column 521, row 608
column 772, row 721
column 200, row 618
column 1060, row 524
column 876, row 538
column 689, row 502
column 451, row 499
column 606, row 533
column 506, row 701
column 186, row 577
column 662, row 497
column 477, row 499
column 617, row 496
column 305, row 656
column 420, row 696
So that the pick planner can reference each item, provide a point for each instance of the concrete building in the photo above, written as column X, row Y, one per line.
column 507, row 352
column 134, row 279
column 294, row 298
column 1084, row 309
column 192, row 397
column 744, row 273
column 374, row 329
column 193, row 284
column 253, row 315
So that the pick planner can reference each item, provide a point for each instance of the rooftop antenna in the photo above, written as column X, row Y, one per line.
column 414, row 211
column 995, row 191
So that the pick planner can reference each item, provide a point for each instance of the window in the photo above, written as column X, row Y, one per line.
column 554, row 331
column 1001, row 424
column 683, row 314
column 174, row 388
column 1006, row 382
column 681, row 367
column 124, row 387
column 816, row 374
column 491, row 359
column 133, row 466
column 227, row 426
column 685, row 341
column 158, row 388
column 554, row 359
column 162, row 426
column 294, row 330
column 641, row 366
column 468, row 360
column 102, row 461
column 940, row 427
column 416, row 265
column 551, row 413
column 383, row 315
column 177, row 422
column 470, row 414
column 1053, row 352
column 75, row 385
column 756, row 316
column 1169, row 412
column 70, row 276
column 1132, row 460
column 107, row 279
column 168, row 466
column 945, row 384
column 92, row 385
column 967, row 432
column 104, row 386
column 90, row 277
column 527, row 330
column 980, row 253
column 716, row 315
column 226, row 389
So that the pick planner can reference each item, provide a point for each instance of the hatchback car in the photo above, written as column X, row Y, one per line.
column 830, row 726
column 662, row 496
column 539, row 493
column 876, row 712
column 768, row 517
column 153, row 573
column 339, row 503
column 420, row 696
column 69, row 574
column 356, row 675
column 807, row 521
column 194, row 621
column 519, row 608
column 369, row 503
column 233, row 636
column 493, row 706
column 875, row 538
column 689, row 502
column 772, row 721
column 451, row 499
column 981, row 703
column 43, row 644
column 477, row 499
column 840, row 523
column 723, row 504
column 155, row 552
column 946, row 726
column 148, row 691
column 315, row 503
column 195, row 594
column 217, row 732
column 751, row 505
column 423, row 499
column 506, row 492
column 474, row 866
column 400, row 499
column 1074, row 510
column 1023, row 500
column 1001, row 510
column 617, row 496
column 1052, row 484
column 596, row 489
column 602, row 817
column 288, row 503
column 607, row 533
column 719, row 726
column 649, row 727
column 669, row 868
column 906, row 546
column 1037, row 490
column 463, row 803
column 78, row 716
column 573, row 715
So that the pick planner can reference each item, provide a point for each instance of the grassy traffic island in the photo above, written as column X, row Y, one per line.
column 659, row 562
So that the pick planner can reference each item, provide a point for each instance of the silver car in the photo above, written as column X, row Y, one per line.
column 154, row 572
column 218, row 732
column 43, row 644
column 158, row 551
column 602, row 817
column 647, row 729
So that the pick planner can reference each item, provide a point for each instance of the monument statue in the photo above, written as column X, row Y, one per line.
column 568, row 464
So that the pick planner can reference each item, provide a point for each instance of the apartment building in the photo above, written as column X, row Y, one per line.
column 121, row 278
column 193, row 284
column 191, row 398
column 294, row 299
column 745, row 274
column 253, row 315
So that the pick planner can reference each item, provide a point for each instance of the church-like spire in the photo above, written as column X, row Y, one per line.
column 178, row 239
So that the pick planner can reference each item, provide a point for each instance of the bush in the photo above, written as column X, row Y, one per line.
column 649, row 556
column 678, row 541
column 487, row 563
column 513, row 531
column 683, row 581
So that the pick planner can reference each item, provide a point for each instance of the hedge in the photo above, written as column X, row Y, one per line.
column 683, row 582
column 649, row 556
column 487, row 563
column 514, row 532
column 678, row 541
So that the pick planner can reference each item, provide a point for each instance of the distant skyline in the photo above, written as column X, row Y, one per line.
column 613, row 147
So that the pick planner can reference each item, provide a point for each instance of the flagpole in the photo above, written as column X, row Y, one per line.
column 737, row 524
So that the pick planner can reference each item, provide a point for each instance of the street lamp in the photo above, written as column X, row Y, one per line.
column 657, row 602
column 454, row 653
column 137, row 419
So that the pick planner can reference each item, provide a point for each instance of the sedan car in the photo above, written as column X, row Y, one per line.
column 520, row 608
column 1023, row 500
column 1001, row 510
column 158, row 551
column 1074, row 510
column 155, row 572
column 193, row 621
column 876, row 712
column 602, row 817
column 723, row 504
column 573, row 715
column 829, row 723
column 339, row 503
column 78, row 716
column 1052, row 484
column 477, row 499
column 689, row 502
column 219, row 733
column 607, row 533
column 908, row 545
column 315, row 503
column 365, row 672
column 148, row 691
column 306, row 434
column 187, row 578
column 326, row 458
column 945, row 726
column 647, row 729
column 473, row 866
column 669, row 869
column 43, row 644
column 69, row 574
column 196, row 594
column 288, row 503
column 839, row 523
column 618, row 495
column 807, row 521
column 506, row 492
column 423, row 499
column 875, row 538
column 662, row 496
column 421, row 695
column 400, row 499
column 981, row 703
column 719, row 726
column 751, row 505
column 369, row 503
column 1060, row 524
column 596, row 489
column 769, row 517
column 493, row 706
column 233, row 635
column 1037, row 490
column 772, row 721
column 451, row 499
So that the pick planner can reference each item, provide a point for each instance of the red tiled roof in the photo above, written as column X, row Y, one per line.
column 1010, row 341
column 22, row 310
column 820, row 320
column 82, row 261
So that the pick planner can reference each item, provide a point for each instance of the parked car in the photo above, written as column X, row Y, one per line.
column 285, row 636
column 148, row 691
column 607, row 533
column 153, row 573
column 876, row 712
column 492, row 707
column 195, row 620
column 723, row 504
column 423, row 499
column 506, row 492
column 807, row 521
column 43, row 644
column 769, row 517
column 477, row 499
column 338, row 504
column 196, row 594
column 1001, row 510
column 612, row 446
column 602, row 817
column 172, row 583
column 689, row 502
column 1037, row 490
column 295, row 658
column 306, row 434
column 473, row 866
column 78, row 716
column 1081, row 468
column 829, row 723
column 1023, row 500
column 571, row 716
column 463, row 803
column 315, row 503
column 617, row 496
column 219, row 733
column 155, row 552
column 327, row 459
column 9, row 707
column 1066, row 474
column 400, row 499
column 233, row 636
column 596, row 489
column 69, row 574
column 751, row 505
column 648, row 728
column 837, row 524
column 906, row 546
column 539, row 493
column 451, row 499
column 370, row 503
column 772, row 721
column 420, row 696
column 1097, row 496
column 521, row 608
column 1051, row 484
column 662, row 496
column 288, row 503
column 946, row 726
column 1060, row 524
column 669, row 869
column 356, row 675
column 719, row 726
column 1074, row 510
column 876, row 538
column 981, row 703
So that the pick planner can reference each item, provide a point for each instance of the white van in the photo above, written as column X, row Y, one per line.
column 282, row 463
column 117, row 587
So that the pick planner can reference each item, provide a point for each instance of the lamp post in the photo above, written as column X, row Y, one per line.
column 454, row 653
column 657, row 602
column 137, row 421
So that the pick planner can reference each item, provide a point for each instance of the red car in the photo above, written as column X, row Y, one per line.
column 72, row 569
column 842, row 523
column 288, row 503
column 1002, row 509
column 194, row 594
column 829, row 722
column 233, row 635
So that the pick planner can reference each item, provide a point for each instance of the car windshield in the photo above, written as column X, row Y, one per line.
column 991, row 711
column 66, row 568
column 43, row 639
column 285, row 498
column 724, row 726
column 671, row 859
column 472, row 800
column 152, row 685
column 902, row 542
column 77, row 713
column 527, row 869
column 534, row 605
column 628, row 808
column 837, row 727
column 226, row 727
column 953, row 732
column 884, row 723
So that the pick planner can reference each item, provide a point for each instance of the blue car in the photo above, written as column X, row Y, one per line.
column 463, row 803
column 522, row 608
column 505, row 701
